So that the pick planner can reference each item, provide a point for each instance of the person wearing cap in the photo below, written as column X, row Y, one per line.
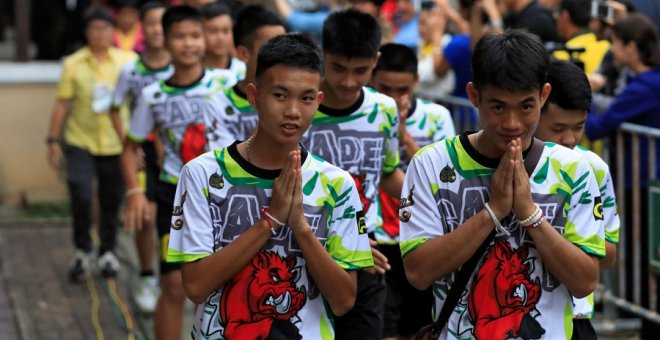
column 81, row 132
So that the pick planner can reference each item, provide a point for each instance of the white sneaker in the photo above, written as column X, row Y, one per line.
column 79, row 265
column 108, row 264
column 146, row 296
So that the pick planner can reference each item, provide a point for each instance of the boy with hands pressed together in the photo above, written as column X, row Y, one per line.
column 538, row 199
column 270, row 235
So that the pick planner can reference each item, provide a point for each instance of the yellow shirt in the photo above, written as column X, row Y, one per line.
column 89, row 84
column 594, row 51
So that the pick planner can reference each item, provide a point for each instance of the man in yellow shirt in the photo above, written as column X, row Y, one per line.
column 572, row 27
column 90, row 146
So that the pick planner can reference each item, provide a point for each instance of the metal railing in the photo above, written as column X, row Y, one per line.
column 631, row 140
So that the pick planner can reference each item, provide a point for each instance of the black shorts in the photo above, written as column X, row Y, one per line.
column 583, row 330
column 365, row 320
column 406, row 308
column 165, row 193
column 151, row 169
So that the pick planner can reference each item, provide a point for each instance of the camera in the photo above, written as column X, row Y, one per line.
column 600, row 10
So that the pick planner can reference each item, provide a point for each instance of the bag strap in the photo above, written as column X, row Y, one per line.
column 463, row 276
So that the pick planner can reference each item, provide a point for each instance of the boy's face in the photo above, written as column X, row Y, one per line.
column 248, row 54
column 405, row 9
column 345, row 77
column 185, row 42
column 394, row 84
column 505, row 115
column 561, row 126
column 152, row 28
column 218, row 36
column 286, row 99
column 99, row 33
column 127, row 17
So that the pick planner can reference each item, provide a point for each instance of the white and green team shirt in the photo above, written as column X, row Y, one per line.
column 426, row 123
column 219, row 196
column 511, row 294
column 239, row 118
column 186, row 118
column 362, row 140
column 584, row 308
column 133, row 78
column 238, row 67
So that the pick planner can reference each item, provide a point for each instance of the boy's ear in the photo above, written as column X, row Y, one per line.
column 251, row 92
column 319, row 97
column 545, row 93
column 473, row 94
column 242, row 53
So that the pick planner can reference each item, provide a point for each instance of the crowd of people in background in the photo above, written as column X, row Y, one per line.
column 206, row 124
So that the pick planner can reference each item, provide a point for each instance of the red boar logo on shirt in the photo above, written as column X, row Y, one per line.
column 503, row 295
column 260, row 301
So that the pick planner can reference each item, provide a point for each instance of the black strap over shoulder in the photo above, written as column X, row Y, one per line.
column 466, row 270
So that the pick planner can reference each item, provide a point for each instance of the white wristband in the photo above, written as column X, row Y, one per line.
column 278, row 222
column 134, row 191
column 498, row 226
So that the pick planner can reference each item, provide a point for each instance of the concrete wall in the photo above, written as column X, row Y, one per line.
column 27, row 94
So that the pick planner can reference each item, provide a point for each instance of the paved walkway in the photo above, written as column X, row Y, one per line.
column 38, row 302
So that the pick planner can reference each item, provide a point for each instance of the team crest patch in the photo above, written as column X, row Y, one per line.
column 229, row 110
column 598, row 208
column 361, row 222
column 447, row 175
column 157, row 95
column 216, row 181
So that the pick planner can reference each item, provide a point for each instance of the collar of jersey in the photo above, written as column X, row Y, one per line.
column 238, row 99
column 144, row 69
column 170, row 88
column 238, row 171
column 345, row 111
column 479, row 158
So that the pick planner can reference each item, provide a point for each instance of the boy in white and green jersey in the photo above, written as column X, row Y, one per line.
column 420, row 123
column 539, row 201
column 355, row 129
column 562, row 122
column 269, row 235
column 219, row 40
column 184, row 110
column 254, row 25
column 153, row 65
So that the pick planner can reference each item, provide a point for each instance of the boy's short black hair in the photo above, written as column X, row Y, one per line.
column 514, row 60
column 352, row 34
column 248, row 20
column 570, row 87
column 578, row 10
column 148, row 6
column 214, row 9
column 119, row 4
column 295, row 50
column 180, row 13
column 397, row 58
column 98, row 13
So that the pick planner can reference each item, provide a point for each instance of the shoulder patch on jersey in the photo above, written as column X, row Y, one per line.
column 361, row 222
column 216, row 181
column 447, row 175
column 598, row 208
